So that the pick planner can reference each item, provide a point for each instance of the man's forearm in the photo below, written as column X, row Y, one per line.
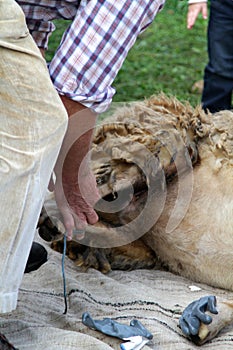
column 75, row 188
column 77, row 141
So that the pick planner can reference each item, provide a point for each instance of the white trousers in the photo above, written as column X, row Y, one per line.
column 33, row 122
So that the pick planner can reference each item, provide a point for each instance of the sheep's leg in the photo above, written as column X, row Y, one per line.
column 203, row 319
column 127, row 257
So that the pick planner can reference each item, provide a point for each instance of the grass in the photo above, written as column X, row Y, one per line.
column 166, row 57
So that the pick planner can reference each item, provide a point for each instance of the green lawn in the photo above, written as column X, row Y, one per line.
column 166, row 57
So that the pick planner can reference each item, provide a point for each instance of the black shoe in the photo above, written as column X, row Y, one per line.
column 37, row 257
column 4, row 343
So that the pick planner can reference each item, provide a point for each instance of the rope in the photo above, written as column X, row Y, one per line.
column 64, row 276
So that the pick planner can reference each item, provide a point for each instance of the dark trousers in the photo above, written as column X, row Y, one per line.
column 218, row 76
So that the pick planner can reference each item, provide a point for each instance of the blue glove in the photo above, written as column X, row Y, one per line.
column 194, row 314
column 116, row 329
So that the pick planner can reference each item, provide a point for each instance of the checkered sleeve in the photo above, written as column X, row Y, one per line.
column 40, row 13
column 94, row 47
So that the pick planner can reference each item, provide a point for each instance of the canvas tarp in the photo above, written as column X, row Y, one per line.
column 154, row 297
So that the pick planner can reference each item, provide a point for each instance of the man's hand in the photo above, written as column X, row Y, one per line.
column 75, row 188
column 75, row 201
column 193, row 12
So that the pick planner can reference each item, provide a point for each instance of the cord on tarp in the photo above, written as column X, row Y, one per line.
column 64, row 276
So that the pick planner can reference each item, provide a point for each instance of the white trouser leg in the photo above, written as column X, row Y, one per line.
column 33, row 122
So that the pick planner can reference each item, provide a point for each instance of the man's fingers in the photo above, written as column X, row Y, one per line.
column 204, row 12
column 191, row 19
column 92, row 217
column 68, row 222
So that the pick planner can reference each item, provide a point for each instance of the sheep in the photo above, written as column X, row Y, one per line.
column 164, row 173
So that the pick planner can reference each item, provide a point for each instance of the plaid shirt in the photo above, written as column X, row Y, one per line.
column 94, row 46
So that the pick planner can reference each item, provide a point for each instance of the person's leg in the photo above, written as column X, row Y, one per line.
column 33, row 124
column 218, row 76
